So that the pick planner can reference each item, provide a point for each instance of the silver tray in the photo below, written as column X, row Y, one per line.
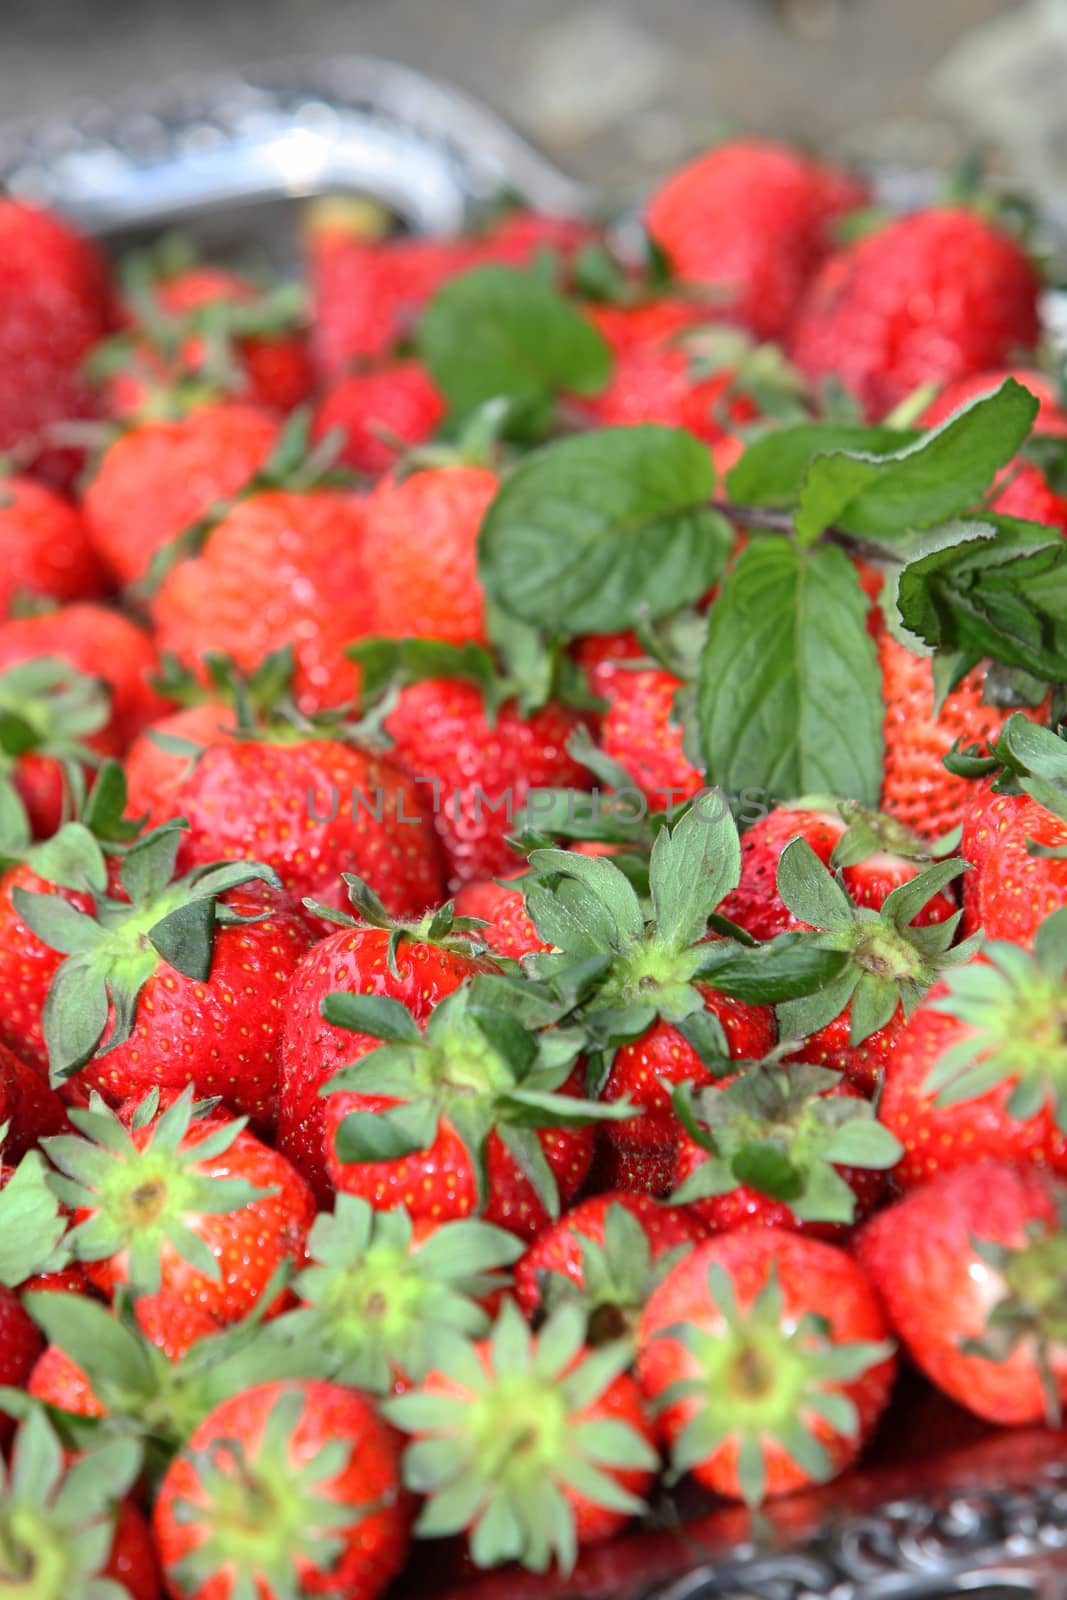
column 224, row 156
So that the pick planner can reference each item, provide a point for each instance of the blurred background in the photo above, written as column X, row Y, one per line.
column 617, row 89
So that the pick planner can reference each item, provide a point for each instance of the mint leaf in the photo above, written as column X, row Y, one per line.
column 790, row 695
column 593, row 531
column 1001, row 591
column 942, row 474
column 500, row 333
column 773, row 469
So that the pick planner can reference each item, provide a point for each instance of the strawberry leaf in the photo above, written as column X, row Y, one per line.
column 939, row 476
column 592, row 532
column 498, row 332
column 790, row 692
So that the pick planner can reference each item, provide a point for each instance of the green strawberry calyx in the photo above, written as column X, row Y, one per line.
column 57, row 1521
column 1011, row 1003
column 501, row 1456
column 141, row 1389
column 627, row 964
column 1031, row 1310
column 764, row 1375
column 266, row 1518
column 92, row 1006
column 375, row 1297
column 142, row 1195
column 439, row 926
column 777, row 1128
column 74, row 856
column 478, row 1068
column 617, row 1277
column 48, row 709
column 888, row 960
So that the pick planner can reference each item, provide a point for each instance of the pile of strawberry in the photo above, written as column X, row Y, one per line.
column 533, row 910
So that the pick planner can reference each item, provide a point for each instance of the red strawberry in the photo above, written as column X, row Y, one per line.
column 69, row 1522
column 285, row 1488
column 512, row 1420
column 751, row 220
column 1017, row 887
column 782, row 1147
column 603, row 658
column 45, row 552
column 380, row 1290
column 29, row 1109
column 875, row 855
column 971, row 1268
column 313, row 806
column 928, row 298
column 508, row 930
column 608, row 1253
column 644, row 730
column 195, row 1210
column 58, row 1381
column 415, row 965
column 980, row 1070
column 474, row 1115
column 155, row 774
column 378, row 413
column 207, row 326
column 126, row 1016
column 1051, row 416
column 20, row 1343
column 422, row 533
column 917, row 788
column 769, row 1351
column 482, row 766
column 101, row 644
column 280, row 567
column 672, row 383
column 162, row 477
column 55, row 303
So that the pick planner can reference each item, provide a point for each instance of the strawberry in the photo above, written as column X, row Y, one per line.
column 55, row 303
column 1013, row 829
column 417, row 965
column 506, row 926
column 207, row 327
column 606, row 1253
column 477, row 1114
column 281, row 566
column 379, row 1292
column 45, row 553
column 781, row 1147
column 312, row 805
column 483, row 739
column 57, row 1381
column 917, row 788
column 928, row 298
column 751, row 221
column 20, row 1345
column 379, row 414
column 70, row 1524
column 29, row 1109
column 422, row 581
column 891, row 960
column 971, row 1267
column 550, row 1443
column 177, row 982
column 158, row 761
column 645, row 731
column 768, row 1353
column 190, row 1208
column 285, row 1488
column 162, row 477
column 979, row 1071
column 875, row 855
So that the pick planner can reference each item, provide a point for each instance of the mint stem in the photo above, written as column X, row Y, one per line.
column 762, row 519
